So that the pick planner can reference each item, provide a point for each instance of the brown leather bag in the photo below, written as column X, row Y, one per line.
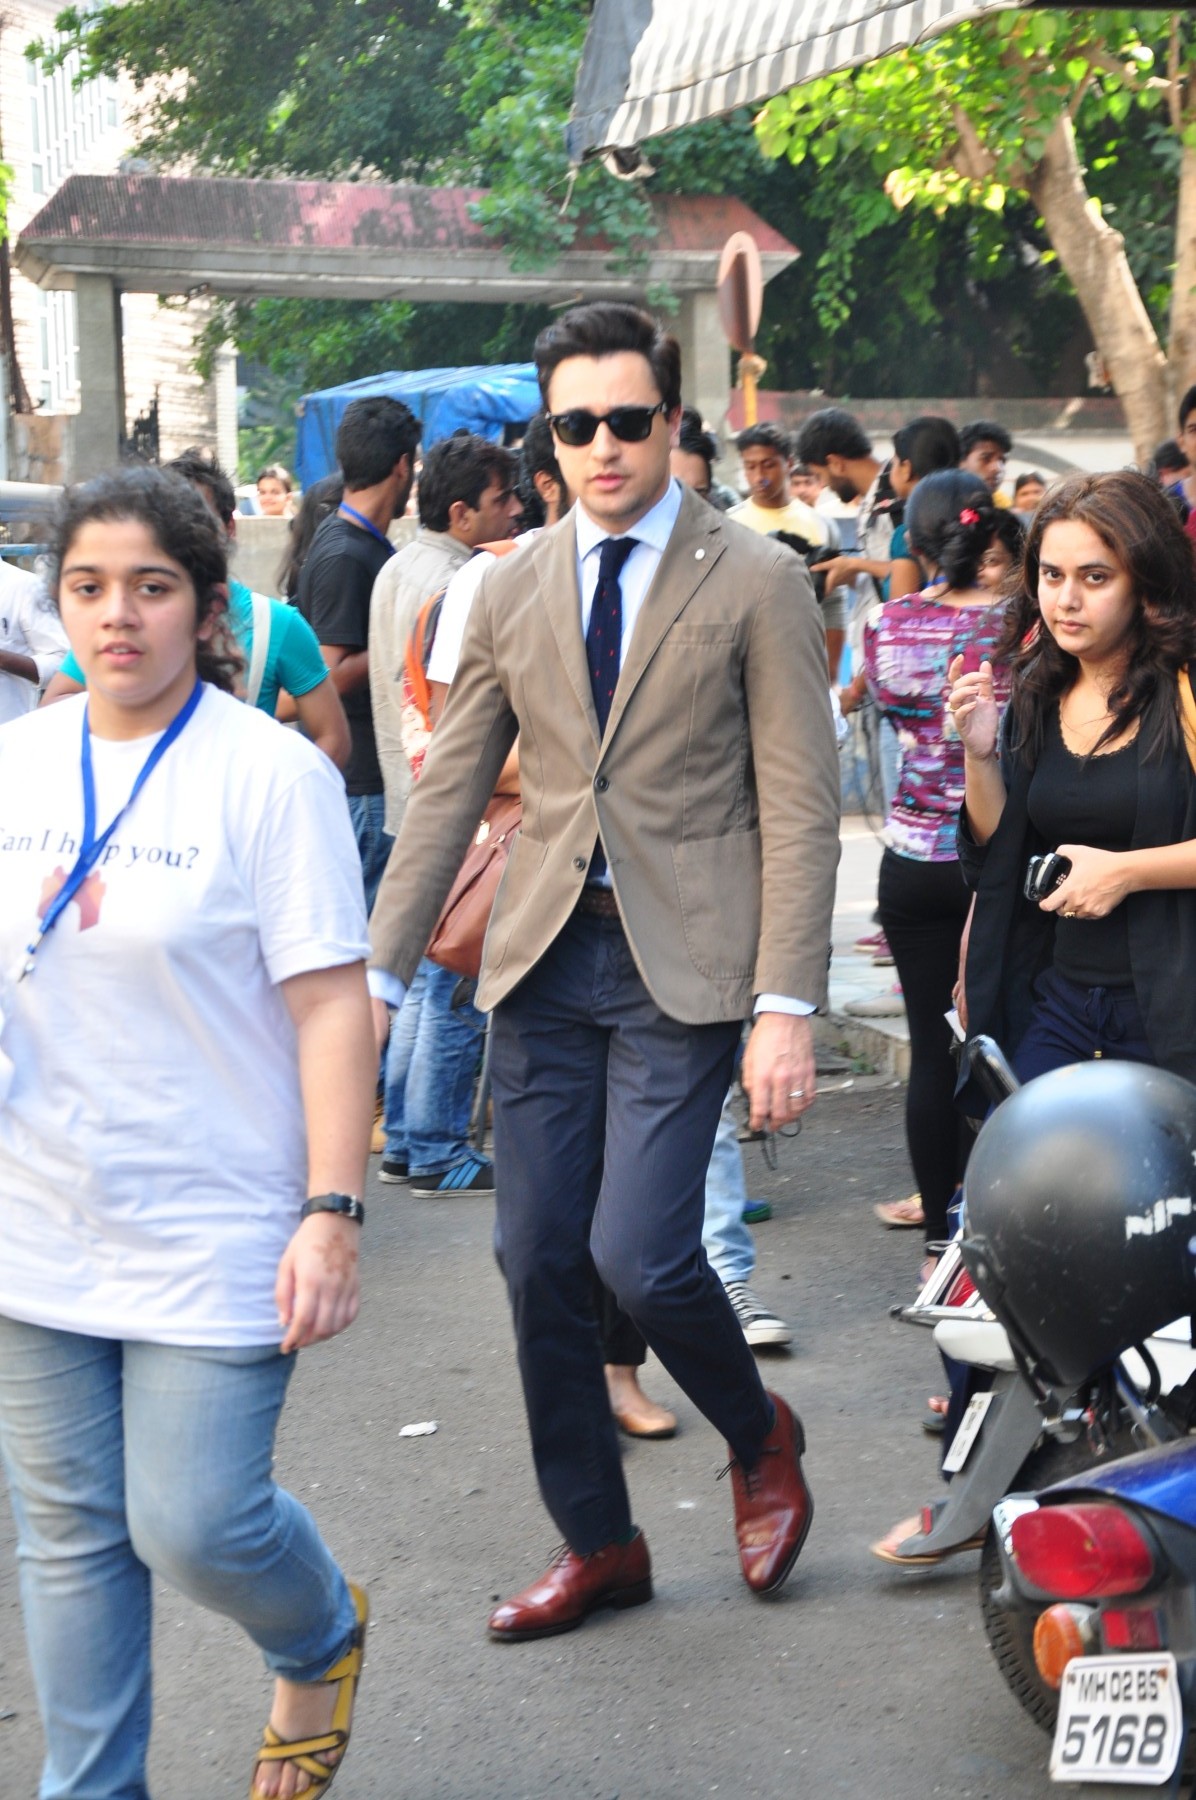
column 456, row 943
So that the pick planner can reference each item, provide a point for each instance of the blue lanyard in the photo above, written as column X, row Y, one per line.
column 92, row 847
column 368, row 525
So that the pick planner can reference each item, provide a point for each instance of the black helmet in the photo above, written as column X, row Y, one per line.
column 1080, row 1201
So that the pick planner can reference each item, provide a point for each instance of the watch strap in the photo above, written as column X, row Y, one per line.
column 347, row 1206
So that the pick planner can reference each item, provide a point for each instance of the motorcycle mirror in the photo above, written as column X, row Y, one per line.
column 987, row 1063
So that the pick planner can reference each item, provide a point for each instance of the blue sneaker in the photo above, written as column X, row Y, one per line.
column 473, row 1175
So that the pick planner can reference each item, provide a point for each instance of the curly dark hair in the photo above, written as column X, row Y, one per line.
column 950, row 520
column 183, row 527
column 1134, row 520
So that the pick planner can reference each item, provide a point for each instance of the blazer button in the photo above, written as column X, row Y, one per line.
column 579, row 862
column 601, row 783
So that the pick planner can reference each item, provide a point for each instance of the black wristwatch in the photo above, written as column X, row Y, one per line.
column 347, row 1205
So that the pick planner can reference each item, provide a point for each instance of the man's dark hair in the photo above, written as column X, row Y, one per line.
column 927, row 443
column 604, row 329
column 1187, row 405
column 537, row 456
column 766, row 436
column 1032, row 475
column 694, row 438
column 201, row 470
column 371, row 437
column 1167, row 455
column 983, row 431
column 460, row 467
column 832, row 432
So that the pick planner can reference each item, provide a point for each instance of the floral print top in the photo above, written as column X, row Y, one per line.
column 907, row 653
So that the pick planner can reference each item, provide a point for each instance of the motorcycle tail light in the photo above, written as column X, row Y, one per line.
column 1131, row 1628
column 960, row 1291
column 1061, row 1633
column 1086, row 1551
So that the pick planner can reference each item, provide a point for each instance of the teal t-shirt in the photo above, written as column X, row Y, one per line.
column 294, row 661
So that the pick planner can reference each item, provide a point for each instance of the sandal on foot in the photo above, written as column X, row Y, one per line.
column 889, row 1547
column 901, row 1215
column 305, row 1753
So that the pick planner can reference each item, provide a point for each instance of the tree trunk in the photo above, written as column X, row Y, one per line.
column 1093, row 255
column 1182, row 352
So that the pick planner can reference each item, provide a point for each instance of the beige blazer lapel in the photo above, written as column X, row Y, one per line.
column 556, row 570
column 691, row 552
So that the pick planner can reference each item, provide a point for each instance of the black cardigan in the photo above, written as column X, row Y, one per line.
column 1012, row 940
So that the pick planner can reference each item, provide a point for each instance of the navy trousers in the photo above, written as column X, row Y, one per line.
column 1072, row 1024
column 604, row 1117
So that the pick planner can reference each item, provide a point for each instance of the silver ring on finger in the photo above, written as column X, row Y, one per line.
column 797, row 1093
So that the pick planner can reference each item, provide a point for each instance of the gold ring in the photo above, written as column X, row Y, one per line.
column 1069, row 915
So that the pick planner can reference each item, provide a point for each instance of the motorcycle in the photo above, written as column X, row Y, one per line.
column 1107, row 1563
column 1012, row 1436
column 1080, row 1201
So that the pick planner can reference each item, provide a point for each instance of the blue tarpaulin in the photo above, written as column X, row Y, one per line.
column 484, row 399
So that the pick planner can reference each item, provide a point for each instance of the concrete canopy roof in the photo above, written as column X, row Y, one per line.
column 348, row 240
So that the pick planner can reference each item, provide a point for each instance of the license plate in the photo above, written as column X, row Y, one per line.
column 969, row 1431
column 1120, row 1721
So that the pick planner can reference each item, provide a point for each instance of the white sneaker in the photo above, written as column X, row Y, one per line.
column 761, row 1326
column 878, row 1006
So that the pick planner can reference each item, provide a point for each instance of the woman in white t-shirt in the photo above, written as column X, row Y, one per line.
column 186, row 1057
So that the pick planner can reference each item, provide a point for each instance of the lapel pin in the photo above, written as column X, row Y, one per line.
column 698, row 555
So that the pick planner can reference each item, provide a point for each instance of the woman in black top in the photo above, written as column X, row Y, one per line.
column 1092, row 760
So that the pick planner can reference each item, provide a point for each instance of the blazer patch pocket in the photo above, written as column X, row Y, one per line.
column 718, row 886
column 693, row 634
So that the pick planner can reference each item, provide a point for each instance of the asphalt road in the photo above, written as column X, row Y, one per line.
column 858, row 1681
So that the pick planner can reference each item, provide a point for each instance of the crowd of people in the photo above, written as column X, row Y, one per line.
column 652, row 671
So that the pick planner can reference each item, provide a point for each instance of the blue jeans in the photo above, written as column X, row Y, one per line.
column 130, row 1458
column 725, row 1238
column 431, row 1060
column 367, row 812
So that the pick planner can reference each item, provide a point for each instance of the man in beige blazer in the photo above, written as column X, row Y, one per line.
column 665, row 674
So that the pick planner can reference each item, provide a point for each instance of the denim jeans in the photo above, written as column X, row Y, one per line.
column 431, row 1060
column 130, row 1458
column 725, row 1238
column 374, row 842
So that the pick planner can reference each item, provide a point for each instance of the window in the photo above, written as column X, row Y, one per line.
column 65, row 121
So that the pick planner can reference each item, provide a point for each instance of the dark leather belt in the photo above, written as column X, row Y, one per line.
column 598, row 902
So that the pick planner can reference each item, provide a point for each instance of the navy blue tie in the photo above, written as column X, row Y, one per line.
column 604, row 644
column 604, row 638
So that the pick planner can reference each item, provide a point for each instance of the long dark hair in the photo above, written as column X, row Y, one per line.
column 183, row 527
column 1135, row 521
column 320, row 499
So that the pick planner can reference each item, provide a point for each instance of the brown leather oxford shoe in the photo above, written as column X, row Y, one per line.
column 572, row 1587
column 773, row 1504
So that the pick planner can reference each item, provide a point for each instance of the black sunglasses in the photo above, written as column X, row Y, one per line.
column 630, row 424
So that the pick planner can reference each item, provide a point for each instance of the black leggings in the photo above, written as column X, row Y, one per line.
column 923, row 907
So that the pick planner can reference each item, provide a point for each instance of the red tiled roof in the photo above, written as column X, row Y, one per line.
column 332, row 215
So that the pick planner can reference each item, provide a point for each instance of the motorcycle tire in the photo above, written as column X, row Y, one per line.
column 1010, row 1629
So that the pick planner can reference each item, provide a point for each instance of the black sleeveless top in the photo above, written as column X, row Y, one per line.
column 1089, row 800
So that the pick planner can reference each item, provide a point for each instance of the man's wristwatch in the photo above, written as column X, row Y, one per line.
column 347, row 1205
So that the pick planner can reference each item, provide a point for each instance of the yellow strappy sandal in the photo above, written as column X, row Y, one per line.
column 306, row 1752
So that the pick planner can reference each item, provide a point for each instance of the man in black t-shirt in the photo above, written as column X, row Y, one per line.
column 375, row 447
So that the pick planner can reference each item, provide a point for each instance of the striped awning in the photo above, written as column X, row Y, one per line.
column 650, row 66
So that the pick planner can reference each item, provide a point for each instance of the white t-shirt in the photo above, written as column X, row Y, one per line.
column 152, row 1145
column 29, row 626
column 454, row 611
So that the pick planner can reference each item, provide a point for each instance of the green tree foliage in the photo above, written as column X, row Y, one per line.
column 940, row 294
column 1005, row 111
